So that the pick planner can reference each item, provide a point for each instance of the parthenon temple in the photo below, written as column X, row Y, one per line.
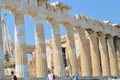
column 90, row 48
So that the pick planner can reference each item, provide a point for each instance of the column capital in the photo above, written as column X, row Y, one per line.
column 32, row 14
column 65, row 23
column 108, row 36
column 37, row 18
column 19, row 19
column 16, row 11
column 117, row 37
column 52, row 21
column 100, row 34
column 78, row 28
column 90, row 31
column 68, row 25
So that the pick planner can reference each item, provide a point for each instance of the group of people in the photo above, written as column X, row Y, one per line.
column 50, row 76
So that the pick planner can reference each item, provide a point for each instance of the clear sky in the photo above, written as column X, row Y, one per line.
column 98, row 9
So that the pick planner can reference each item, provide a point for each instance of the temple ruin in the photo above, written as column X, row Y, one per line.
column 89, row 48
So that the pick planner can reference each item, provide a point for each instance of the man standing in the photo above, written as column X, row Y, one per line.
column 13, row 76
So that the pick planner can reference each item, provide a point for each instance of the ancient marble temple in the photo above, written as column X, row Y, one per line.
column 89, row 48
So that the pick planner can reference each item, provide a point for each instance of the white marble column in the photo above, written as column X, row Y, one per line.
column 71, row 49
column 84, row 51
column 95, row 58
column 104, row 55
column 59, row 68
column 41, row 61
column 1, row 53
column 112, row 56
column 20, row 52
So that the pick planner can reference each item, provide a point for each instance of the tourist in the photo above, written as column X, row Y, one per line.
column 13, row 76
column 75, row 78
column 50, row 75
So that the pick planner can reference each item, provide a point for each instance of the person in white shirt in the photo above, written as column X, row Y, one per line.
column 50, row 75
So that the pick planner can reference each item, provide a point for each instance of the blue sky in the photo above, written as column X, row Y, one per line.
column 98, row 9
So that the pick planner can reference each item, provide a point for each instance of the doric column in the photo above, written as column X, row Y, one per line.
column 41, row 62
column 95, row 59
column 118, row 53
column 104, row 55
column 71, row 49
column 20, row 52
column 112, row 56
column 84, row 51
column 59, row 68
column 117, row 43
column 1, row 53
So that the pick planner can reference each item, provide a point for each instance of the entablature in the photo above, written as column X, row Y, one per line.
column 77, row 20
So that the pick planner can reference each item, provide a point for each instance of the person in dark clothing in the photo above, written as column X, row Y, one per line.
column 13, row 76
